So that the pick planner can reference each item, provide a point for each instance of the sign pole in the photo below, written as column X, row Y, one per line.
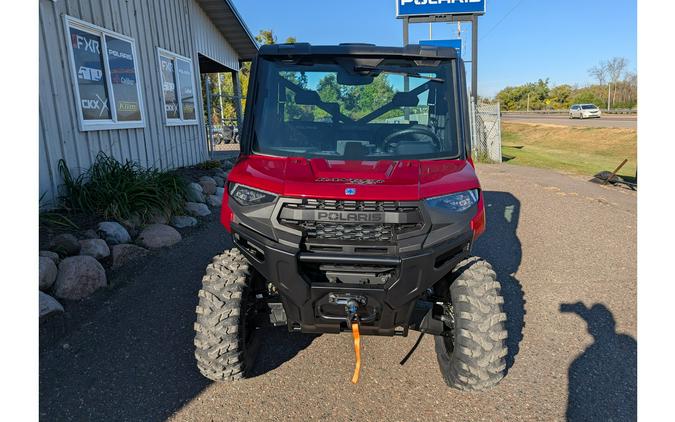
column 406, row 82
column 474, row 58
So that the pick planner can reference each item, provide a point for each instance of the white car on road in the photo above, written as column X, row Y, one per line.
column 584, row 111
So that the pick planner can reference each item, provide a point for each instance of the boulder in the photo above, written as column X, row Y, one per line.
column 51, row 255
column 220, row 182
column 65, row 245
column 113, row 233
column 181, row 221
column 194, row 193
column 79, row 276
column 208, row 185
column 196, row 209
column 49, row 306
column 220, row 192
column 94, row 247
column 90, row 234
column 124, row 253
column 214, row 201
column 159, row 236
column 48, row 272
column 158, row 218
column 221, row 174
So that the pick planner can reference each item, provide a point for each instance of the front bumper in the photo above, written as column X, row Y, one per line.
column 310, row 305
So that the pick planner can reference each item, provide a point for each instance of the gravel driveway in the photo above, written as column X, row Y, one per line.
column 553, row 239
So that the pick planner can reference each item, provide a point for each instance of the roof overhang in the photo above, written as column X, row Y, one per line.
column 225, row 17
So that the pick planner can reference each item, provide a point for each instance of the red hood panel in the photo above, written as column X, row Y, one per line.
column 405, row 180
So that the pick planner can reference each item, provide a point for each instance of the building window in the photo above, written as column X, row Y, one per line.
column 105, row 73
column 178, row 88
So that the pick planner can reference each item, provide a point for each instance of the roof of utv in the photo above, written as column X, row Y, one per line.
column 410, row 50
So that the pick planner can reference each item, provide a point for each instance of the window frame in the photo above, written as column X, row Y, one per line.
column 112, row 123
column 174, row 57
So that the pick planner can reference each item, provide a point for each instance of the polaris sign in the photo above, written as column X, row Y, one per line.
column 439, row 7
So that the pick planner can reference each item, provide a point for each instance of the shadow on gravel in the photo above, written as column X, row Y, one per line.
column 501, row 247
column 276, row 346
column 603, row 379
column 128, row 354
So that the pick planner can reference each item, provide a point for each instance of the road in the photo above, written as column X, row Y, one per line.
column 607, row 120
column 553, row 240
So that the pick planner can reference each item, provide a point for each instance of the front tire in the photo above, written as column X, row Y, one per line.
column 224, row 326
column 473, row 357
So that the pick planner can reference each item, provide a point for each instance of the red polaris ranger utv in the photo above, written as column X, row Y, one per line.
column 353, row 206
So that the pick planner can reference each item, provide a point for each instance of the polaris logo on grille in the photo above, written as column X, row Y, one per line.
column 350, row 217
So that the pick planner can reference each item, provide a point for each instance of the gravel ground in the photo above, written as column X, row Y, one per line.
column 553, row 239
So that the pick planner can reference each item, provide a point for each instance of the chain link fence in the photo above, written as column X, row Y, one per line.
column 486, row 132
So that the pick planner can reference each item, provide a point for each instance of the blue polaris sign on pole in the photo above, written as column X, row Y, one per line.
column 439, row 7
column 456, row 44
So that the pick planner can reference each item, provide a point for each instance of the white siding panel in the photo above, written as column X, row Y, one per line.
column 210, row 41
column 180, row 26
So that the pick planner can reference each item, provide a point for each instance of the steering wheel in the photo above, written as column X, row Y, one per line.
column 411, row 131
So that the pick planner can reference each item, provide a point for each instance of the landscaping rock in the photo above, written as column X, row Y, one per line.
column 194, row 193
column 48, row 272
column 158, row 218
column 132, row 223
column 49, row 306
column 214, row 201
column 122, row 254
column 51, row 255
column 113, row 233
column 220, row 182
column 227, row 164
column 79, row 276
column 96, row 248
column 159, row 236
column 90, row 234
column 182, row 221
column 221, row 174
column 220, row 192
column 197, row 210
column 208, row 185
column 65, row 245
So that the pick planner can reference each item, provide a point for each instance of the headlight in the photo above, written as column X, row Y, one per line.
column 455, row 202
column 249, row 196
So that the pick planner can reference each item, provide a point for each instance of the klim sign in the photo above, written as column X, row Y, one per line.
column 439, row 7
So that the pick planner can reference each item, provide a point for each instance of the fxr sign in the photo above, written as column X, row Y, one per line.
column 439, row 7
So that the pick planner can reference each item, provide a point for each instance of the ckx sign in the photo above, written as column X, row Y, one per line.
column 439, row 7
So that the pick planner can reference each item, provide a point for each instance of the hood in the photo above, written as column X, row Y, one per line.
column 404, row 180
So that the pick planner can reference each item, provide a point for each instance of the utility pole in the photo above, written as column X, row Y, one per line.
column 528, row 101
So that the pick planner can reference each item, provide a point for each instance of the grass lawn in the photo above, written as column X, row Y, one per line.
column 581, row 150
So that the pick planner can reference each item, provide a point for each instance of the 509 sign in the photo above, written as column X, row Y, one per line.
column 439, row 7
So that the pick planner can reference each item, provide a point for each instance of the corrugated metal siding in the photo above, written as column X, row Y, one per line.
column 207, row 39
column 152, row 23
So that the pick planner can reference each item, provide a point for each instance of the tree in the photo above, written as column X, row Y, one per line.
column 615, row 68
column 599, row 72
column 266, row 36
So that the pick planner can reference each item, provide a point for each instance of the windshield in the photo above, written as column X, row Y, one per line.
column 347, row 108
column 589, row 107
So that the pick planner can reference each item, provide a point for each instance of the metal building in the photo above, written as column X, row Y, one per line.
column 123, row 77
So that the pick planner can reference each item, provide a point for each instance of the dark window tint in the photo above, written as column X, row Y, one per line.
column 91, row 79
column 589, row 107
column 123, row 76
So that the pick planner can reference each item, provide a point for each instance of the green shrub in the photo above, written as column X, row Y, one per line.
column 119, row 191
column 209, row 165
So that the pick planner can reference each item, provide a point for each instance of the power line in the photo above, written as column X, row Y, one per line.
column 501, row 20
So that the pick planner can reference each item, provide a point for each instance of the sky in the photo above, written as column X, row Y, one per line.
column 519, row 41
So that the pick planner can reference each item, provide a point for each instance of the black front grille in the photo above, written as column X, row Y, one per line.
column 333, row 231
column 408, row 215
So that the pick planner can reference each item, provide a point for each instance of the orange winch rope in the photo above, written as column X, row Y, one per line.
column 357, row 351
